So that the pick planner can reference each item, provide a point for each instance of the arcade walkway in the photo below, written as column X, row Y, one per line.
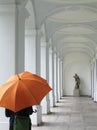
column 71, row 113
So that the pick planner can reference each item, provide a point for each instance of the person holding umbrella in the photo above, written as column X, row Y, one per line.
column 21, row 91
column 24, row 112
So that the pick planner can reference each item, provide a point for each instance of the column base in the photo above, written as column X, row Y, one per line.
column 36, row 118
column 45, row 106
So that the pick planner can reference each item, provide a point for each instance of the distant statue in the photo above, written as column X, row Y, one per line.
column 77, row 81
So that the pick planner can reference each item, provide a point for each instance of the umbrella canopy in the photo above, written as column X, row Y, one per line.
column 23, row 90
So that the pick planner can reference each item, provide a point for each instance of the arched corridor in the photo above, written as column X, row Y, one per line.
column 71, row 113
column 54, row 39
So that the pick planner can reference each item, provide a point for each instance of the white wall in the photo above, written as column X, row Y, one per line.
column 7, row 54
column 76, row 63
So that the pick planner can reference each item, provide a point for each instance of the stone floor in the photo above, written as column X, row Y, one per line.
column 71, row 113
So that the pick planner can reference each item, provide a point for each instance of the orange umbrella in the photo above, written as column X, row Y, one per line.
column 23, row 90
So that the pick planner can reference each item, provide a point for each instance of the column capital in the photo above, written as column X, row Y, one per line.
column 10, row 8
column 21, row 10
column 92, row 62
column 20, row 1
column 13, row 1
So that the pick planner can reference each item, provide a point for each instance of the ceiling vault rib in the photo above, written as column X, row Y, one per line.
column 70, row 23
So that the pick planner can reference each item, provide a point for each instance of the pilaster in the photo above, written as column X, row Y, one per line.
column 12, row 35
column 20, row 16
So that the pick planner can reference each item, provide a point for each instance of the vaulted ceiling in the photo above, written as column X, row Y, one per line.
column 71, row 24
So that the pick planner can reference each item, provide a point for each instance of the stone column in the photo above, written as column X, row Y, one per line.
column 30, row 65
column 57, row 91
column 37, row 117
column 12, row 28
column 61, row 78
column 55, row 78
column 91, row 72
column 95, row 78
column 92, row 78
column 51, row 77
column 92, row 89
column 45, row 74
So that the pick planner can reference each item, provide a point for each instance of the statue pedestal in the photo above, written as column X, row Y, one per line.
column 76, row 92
